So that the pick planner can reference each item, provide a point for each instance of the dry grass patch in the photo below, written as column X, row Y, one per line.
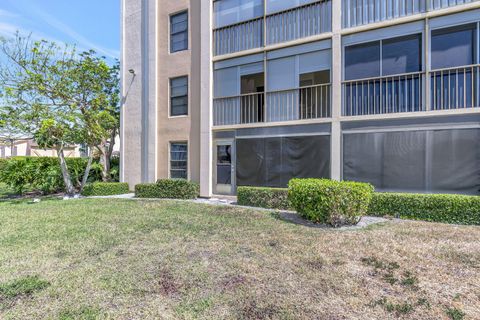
column 177, row 260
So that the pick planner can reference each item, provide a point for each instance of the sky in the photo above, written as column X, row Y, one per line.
column 89, row 24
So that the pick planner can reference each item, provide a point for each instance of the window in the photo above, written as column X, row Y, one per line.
column 279, row 5
column 401, row 55
column 178, row 160
column 362, row 61
column 453, row 47
column 252, row 101
column 179, row 32
column 227, row 12
column 179, row 96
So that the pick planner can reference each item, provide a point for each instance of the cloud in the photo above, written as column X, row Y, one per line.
column 9, row 29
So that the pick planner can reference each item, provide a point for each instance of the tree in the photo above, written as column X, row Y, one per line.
column 55, row 94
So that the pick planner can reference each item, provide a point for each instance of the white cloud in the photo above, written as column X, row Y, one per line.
column 9, row 29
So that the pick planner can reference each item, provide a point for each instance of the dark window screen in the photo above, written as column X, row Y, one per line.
column 362, row 61
column 401, row 55
column 453, row 47
column 443, row 161
column 272, row 162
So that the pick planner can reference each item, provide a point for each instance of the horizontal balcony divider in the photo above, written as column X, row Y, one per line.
column 455, row 88
column 309, row 102
column 382, row 95
column 300, row 22
column 238, row 37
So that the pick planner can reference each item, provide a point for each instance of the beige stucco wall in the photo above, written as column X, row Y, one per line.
column 171, row 65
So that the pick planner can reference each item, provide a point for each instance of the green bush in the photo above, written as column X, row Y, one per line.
column 447, row 208
column 43, row 173
column 270, row 198
column 105, row 189
column 331, row 202
column 168, row 189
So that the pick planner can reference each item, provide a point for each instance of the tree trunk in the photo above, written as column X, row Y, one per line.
column 66, row 175
column 105, row 160
column 87, row 169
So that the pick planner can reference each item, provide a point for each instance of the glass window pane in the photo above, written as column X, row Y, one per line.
column 362, row 61
column 401, row 55
column 179, row 96
column 279, row 5
column 453, row 47
column 178, row 160
column 179, row 32
column 227, row 12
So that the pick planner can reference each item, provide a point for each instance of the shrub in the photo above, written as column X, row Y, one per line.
column 331, row 202
column 43, row 173
column 447, row 208
column 105, row 189
column 168, row 189
column 270, row 198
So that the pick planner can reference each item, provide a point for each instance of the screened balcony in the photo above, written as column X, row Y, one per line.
column 244, row 25
column 309, row 102
column 300, row 22
column 361, row 12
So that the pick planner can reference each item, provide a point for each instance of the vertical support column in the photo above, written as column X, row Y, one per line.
column 336, row 135
column 149, row 91
column 427, row 92
column 206, row 102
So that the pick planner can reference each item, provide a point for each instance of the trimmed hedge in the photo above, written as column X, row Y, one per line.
column 447, row 208
column 43, row 173
column 105, row 189
column 168, row 189
column 332, row 202
column 270, row 198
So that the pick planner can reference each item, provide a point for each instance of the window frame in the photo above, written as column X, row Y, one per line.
column 187, row 171
column 170, row 97
column 171, row 33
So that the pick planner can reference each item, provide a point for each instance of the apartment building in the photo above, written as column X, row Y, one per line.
column 254, row 92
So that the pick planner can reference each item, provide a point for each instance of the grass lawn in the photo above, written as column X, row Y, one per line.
column 120, row 259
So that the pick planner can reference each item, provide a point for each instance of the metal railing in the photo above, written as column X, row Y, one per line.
column 238, row 37
column 387, row 94
column 308, row 20
column 243, row 109
column 361, row 12
column 455, row 88
column 304, row 103
column 291, row 24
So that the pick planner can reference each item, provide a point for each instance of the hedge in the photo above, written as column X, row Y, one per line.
column 105, row 189
column 43, row 173
column 168, row 189
column 270, row 198
column 447, row 208
column 332, row 202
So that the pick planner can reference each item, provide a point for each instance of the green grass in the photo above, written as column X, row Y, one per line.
column 120, row 259
column 5, row 191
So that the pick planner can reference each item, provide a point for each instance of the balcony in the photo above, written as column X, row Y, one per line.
column 287, row 25
column 238, row 37
column 450, row 89
column 300, row 22
column 362, row 12
column 457, row 88
column 305, row 103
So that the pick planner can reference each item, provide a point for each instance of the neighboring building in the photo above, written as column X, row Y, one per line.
column 29, row 148
column 255, row 92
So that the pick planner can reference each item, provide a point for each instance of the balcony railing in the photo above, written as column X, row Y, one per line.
column 238, row 37
column 456, row 88
column 310, row 102
column 361, row 12
column 300, row 22
column 388, row 94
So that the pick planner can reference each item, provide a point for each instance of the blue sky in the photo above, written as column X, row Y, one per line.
column 89, row 24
